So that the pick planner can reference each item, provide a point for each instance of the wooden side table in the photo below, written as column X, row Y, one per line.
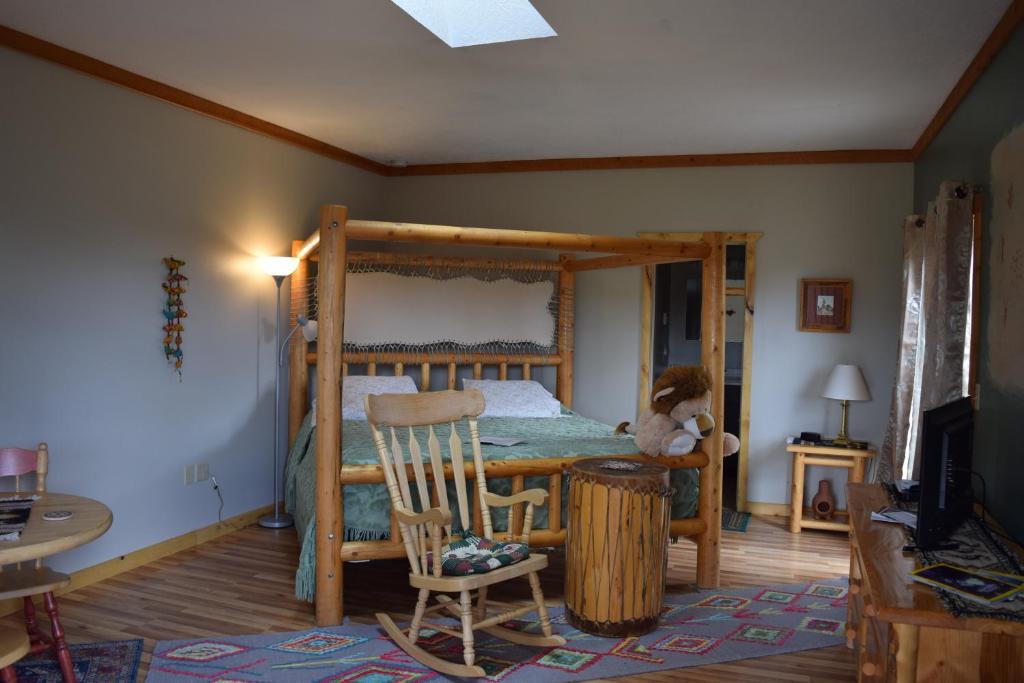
column 854, row 459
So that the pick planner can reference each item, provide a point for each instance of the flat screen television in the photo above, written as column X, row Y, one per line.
column 944, row 499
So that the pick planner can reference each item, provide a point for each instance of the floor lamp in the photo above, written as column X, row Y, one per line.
column 278, row 267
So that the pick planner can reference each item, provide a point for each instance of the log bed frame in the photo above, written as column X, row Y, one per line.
column 329, row 246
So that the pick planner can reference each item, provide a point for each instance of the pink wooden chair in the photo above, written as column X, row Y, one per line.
column 26, row 580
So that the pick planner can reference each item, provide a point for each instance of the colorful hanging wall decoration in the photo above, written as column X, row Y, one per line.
column 174, row 312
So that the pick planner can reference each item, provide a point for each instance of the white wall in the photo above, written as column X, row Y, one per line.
column 832, row 220
column 97, row 184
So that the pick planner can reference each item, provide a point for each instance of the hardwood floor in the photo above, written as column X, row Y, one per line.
column 242, row 583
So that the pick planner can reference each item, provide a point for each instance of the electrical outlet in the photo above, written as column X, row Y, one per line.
column 202, row 472
column 190, row 475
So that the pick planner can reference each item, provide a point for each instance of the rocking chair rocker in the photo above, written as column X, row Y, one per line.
column 460, row 566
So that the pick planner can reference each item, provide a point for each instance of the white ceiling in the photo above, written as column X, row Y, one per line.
column 623, row 77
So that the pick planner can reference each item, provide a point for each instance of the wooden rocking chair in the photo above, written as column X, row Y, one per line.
column 464, row 565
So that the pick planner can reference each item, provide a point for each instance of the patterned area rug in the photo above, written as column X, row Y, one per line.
column 735, row 521
column 116, row 661
column 697, row 628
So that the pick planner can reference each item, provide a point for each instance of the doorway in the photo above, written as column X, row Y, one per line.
column 673, row 299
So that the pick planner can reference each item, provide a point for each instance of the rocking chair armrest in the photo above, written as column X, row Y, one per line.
column 435, row 516
column 533, row 496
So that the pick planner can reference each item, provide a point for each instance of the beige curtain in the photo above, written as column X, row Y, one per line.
column 905, row 396
column 935, row 325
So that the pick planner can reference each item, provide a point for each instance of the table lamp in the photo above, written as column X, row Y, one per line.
column 278, row 267
column 845, row 384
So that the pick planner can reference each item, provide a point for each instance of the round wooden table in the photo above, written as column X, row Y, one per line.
column 41, row 538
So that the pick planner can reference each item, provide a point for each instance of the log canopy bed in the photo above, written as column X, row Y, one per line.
column 330, row 472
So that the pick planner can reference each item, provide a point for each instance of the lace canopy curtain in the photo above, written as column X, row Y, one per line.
column 935, row 327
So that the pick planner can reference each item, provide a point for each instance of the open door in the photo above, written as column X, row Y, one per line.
column 671, row 335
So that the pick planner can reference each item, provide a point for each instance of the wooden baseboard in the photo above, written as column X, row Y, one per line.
column 768, row 509
column 137, row 558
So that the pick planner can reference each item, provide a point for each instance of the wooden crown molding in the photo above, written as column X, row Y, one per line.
column 839, row 156
column 23, row 42
column 1004, row 30
column 1008, row 24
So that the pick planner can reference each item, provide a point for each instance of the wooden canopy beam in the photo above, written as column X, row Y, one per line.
column 384, row 231
column 623, row 260
column 310, row 245
column 526, row 239
column 389, row 257
column 734, row 237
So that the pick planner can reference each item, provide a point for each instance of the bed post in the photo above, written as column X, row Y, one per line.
column 566, row 329
column 646, row 348
column 329, row 502
column 712, row 352
column 298, row 368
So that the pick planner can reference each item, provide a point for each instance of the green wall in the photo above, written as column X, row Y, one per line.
column 962, row 150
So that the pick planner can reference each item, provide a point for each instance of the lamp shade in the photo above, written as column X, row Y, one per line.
column 279, row 266
column 846, row 383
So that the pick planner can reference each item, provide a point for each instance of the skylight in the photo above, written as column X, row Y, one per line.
column 461, row 23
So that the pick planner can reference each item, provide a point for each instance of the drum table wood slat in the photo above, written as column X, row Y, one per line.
column 616, row 545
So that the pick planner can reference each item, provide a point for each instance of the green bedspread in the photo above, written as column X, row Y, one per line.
column 368, row 509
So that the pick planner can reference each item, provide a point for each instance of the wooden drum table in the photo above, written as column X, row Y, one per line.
column 616, row 545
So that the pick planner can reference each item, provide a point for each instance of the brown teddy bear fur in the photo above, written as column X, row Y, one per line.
column 689, row 381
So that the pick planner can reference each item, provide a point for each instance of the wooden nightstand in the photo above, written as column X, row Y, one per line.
column 827, row 456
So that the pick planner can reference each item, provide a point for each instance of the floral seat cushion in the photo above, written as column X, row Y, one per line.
column 478, row 555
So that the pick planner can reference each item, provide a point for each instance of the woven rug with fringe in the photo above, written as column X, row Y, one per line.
column 705, row 627
column 116, row 661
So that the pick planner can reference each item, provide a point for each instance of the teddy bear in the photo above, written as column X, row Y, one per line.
column 678, row 416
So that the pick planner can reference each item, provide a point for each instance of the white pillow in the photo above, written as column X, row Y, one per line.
column 356, row 387
column 515, row 398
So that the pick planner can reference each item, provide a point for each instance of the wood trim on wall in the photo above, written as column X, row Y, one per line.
column 23, row 42
column 838, row 156
column 768, row 509
column 137, row 558
column 1004, row 30
column 749, row 307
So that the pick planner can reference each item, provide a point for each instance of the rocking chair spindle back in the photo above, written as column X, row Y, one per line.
column 391, row 414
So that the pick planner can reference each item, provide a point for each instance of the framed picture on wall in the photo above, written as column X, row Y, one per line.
column 824, row 305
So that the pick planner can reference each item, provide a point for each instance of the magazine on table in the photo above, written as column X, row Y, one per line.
column 986, row 588
column 1015, row 579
